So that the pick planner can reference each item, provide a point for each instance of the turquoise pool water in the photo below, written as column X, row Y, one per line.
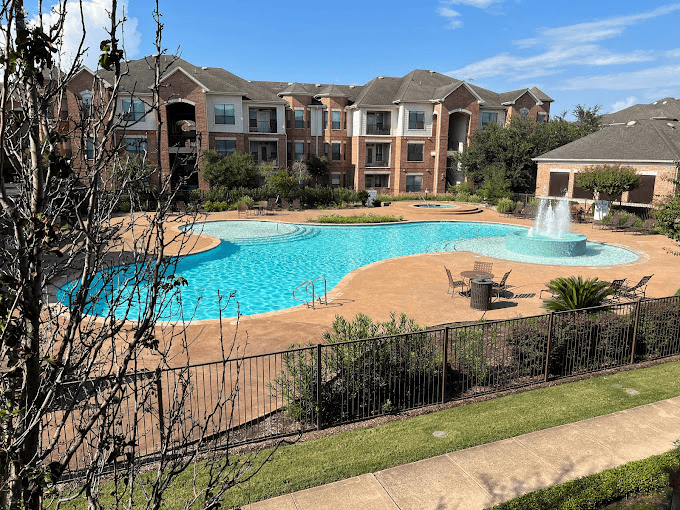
column 264, row 261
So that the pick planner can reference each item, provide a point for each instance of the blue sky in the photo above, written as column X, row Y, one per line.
column 612, row 53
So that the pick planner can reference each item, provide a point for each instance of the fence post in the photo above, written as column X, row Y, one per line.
column 445, row 352
column 161, row 412
column 318, row 386
column 547, row 347
column 635, row 329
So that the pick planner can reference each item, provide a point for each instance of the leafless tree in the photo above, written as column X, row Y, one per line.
column 91, row 322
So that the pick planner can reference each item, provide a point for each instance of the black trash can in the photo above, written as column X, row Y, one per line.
column 480, row 293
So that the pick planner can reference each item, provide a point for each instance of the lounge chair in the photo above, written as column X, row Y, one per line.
column 516, row 212
column 502, row 286
column 628, row 224
column 614, row 221
column 615, row 287
column 453, row 283
column 181, row 207
column 284, row 204
column 264, row 205
column 271, row 206
column 637, row 291
column 296, row 204
column 646, row 228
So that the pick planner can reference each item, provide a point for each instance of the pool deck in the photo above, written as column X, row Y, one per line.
column 417, row 284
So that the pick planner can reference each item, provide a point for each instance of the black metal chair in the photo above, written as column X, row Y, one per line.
column 453, row 284
column 615, row 286
column 502, row 286
column 637, row 291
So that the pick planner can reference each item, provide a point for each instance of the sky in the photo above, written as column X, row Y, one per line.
column 610, row 53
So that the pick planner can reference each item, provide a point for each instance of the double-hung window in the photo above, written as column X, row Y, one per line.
column 415, row 151
column 135, row 145
column 299, row 151
column 299, row 119
column 336, row 152
column 416, row 120
column 225, row 147
column 89, row 148
column 336, row 120
column 133, row 110
column 224, row 114
column 325, row 119
column 414, row 182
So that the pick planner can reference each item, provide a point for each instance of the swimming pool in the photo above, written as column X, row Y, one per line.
column 265, row 261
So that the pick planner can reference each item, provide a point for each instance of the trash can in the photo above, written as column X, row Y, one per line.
column 480, row 293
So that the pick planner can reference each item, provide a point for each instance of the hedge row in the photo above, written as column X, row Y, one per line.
column 591, row 492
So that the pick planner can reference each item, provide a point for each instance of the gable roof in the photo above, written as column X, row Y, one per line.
column 643, row 141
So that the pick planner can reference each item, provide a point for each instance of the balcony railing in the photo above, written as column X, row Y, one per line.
column 263, row 127
column 182, row 139
column 378, row 129
column 378, row 164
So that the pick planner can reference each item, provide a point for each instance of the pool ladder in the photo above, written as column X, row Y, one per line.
column 306, row 286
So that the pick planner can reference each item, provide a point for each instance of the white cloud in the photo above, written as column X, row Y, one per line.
column 451, row 16
column 650, row 78
column 95, row 18
column 592, row 31
column 673, row 53
column 624, row 103
column 482, row 4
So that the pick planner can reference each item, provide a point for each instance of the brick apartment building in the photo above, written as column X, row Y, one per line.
column 391, row 134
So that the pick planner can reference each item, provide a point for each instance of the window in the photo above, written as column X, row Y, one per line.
column 225, row 147
column 299, row 151
column 377, row 180
column 558, row 183
column 135, row 145
column 89, row 148
column 335, row 180
column 325, row 119
column 224, row 114
column 415, row 151
column 542, row 118
column 489, row 118
column 289, row 151
column 262, row 120
column 325, row 149
column 378, row 155
column 264, row 151
column 414, row 182
column 336, row 120
column 416, row 120
column 133, row 109
column 86, row 107
column 336, row 152
column 524, row 112
column 299, row 119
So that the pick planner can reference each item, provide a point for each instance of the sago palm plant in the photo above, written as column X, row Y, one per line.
column 574, row 293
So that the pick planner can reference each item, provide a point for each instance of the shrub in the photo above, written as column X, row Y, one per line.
column 215, row 206
column 505, row 205
column 124, row 207
column 658, row 329
column 357, row 218
column 469, row 353
column 574, row 293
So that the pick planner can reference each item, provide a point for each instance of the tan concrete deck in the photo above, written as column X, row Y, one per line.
column 417, row 284
column 486, row 475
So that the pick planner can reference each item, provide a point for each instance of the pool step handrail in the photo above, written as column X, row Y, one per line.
column 462, row 236
column 311, row 283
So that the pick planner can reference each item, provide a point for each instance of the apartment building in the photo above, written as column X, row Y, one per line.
column 392, row 134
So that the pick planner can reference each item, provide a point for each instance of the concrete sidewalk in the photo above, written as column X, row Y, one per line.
column 489, row 474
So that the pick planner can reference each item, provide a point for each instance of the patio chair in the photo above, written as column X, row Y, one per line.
column 646, row 228
column 485, row 267
column 502, row 286
column 242, row 210
column 296, row 204
column 637, row 291
column 516, row 212
column 615, row 286
column 271, row 206
column 453, row 283
column 263, row 207
column 285, row 205
column 181, row 207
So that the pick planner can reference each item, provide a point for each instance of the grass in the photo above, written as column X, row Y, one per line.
column 348, row 454
column 357, row 218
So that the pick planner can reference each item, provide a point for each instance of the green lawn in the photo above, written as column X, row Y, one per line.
column 312, row 463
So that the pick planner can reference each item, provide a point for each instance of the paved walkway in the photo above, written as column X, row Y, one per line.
column 486, row 475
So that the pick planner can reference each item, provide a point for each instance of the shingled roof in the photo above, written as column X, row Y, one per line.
column 643, row 141
column 667, row 108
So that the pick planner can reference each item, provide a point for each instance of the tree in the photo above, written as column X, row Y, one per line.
column 513, row 147
column 612, row 180
column 318, row 167
column 80, row 362
column 236, row 170
column 575, row 293
column 668, row 217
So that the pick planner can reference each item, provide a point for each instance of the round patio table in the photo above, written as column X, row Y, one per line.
column 469, row 275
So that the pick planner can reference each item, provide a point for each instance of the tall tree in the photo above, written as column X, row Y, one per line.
column 71, row 353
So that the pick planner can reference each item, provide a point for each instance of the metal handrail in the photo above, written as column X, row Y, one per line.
column 306, row 285
column 463, row 236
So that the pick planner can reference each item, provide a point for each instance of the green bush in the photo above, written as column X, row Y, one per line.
column 658, row 329
column 357, row 218
column 124, row 207
column 594, row 491
column 505, row 205
column 215, row 206
column 469, row 352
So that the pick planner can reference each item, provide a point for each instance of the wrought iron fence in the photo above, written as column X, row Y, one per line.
column 232, row 402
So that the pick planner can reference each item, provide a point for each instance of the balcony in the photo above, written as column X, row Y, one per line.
column 182, row 139
column 378, row 129
column 263, row 127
